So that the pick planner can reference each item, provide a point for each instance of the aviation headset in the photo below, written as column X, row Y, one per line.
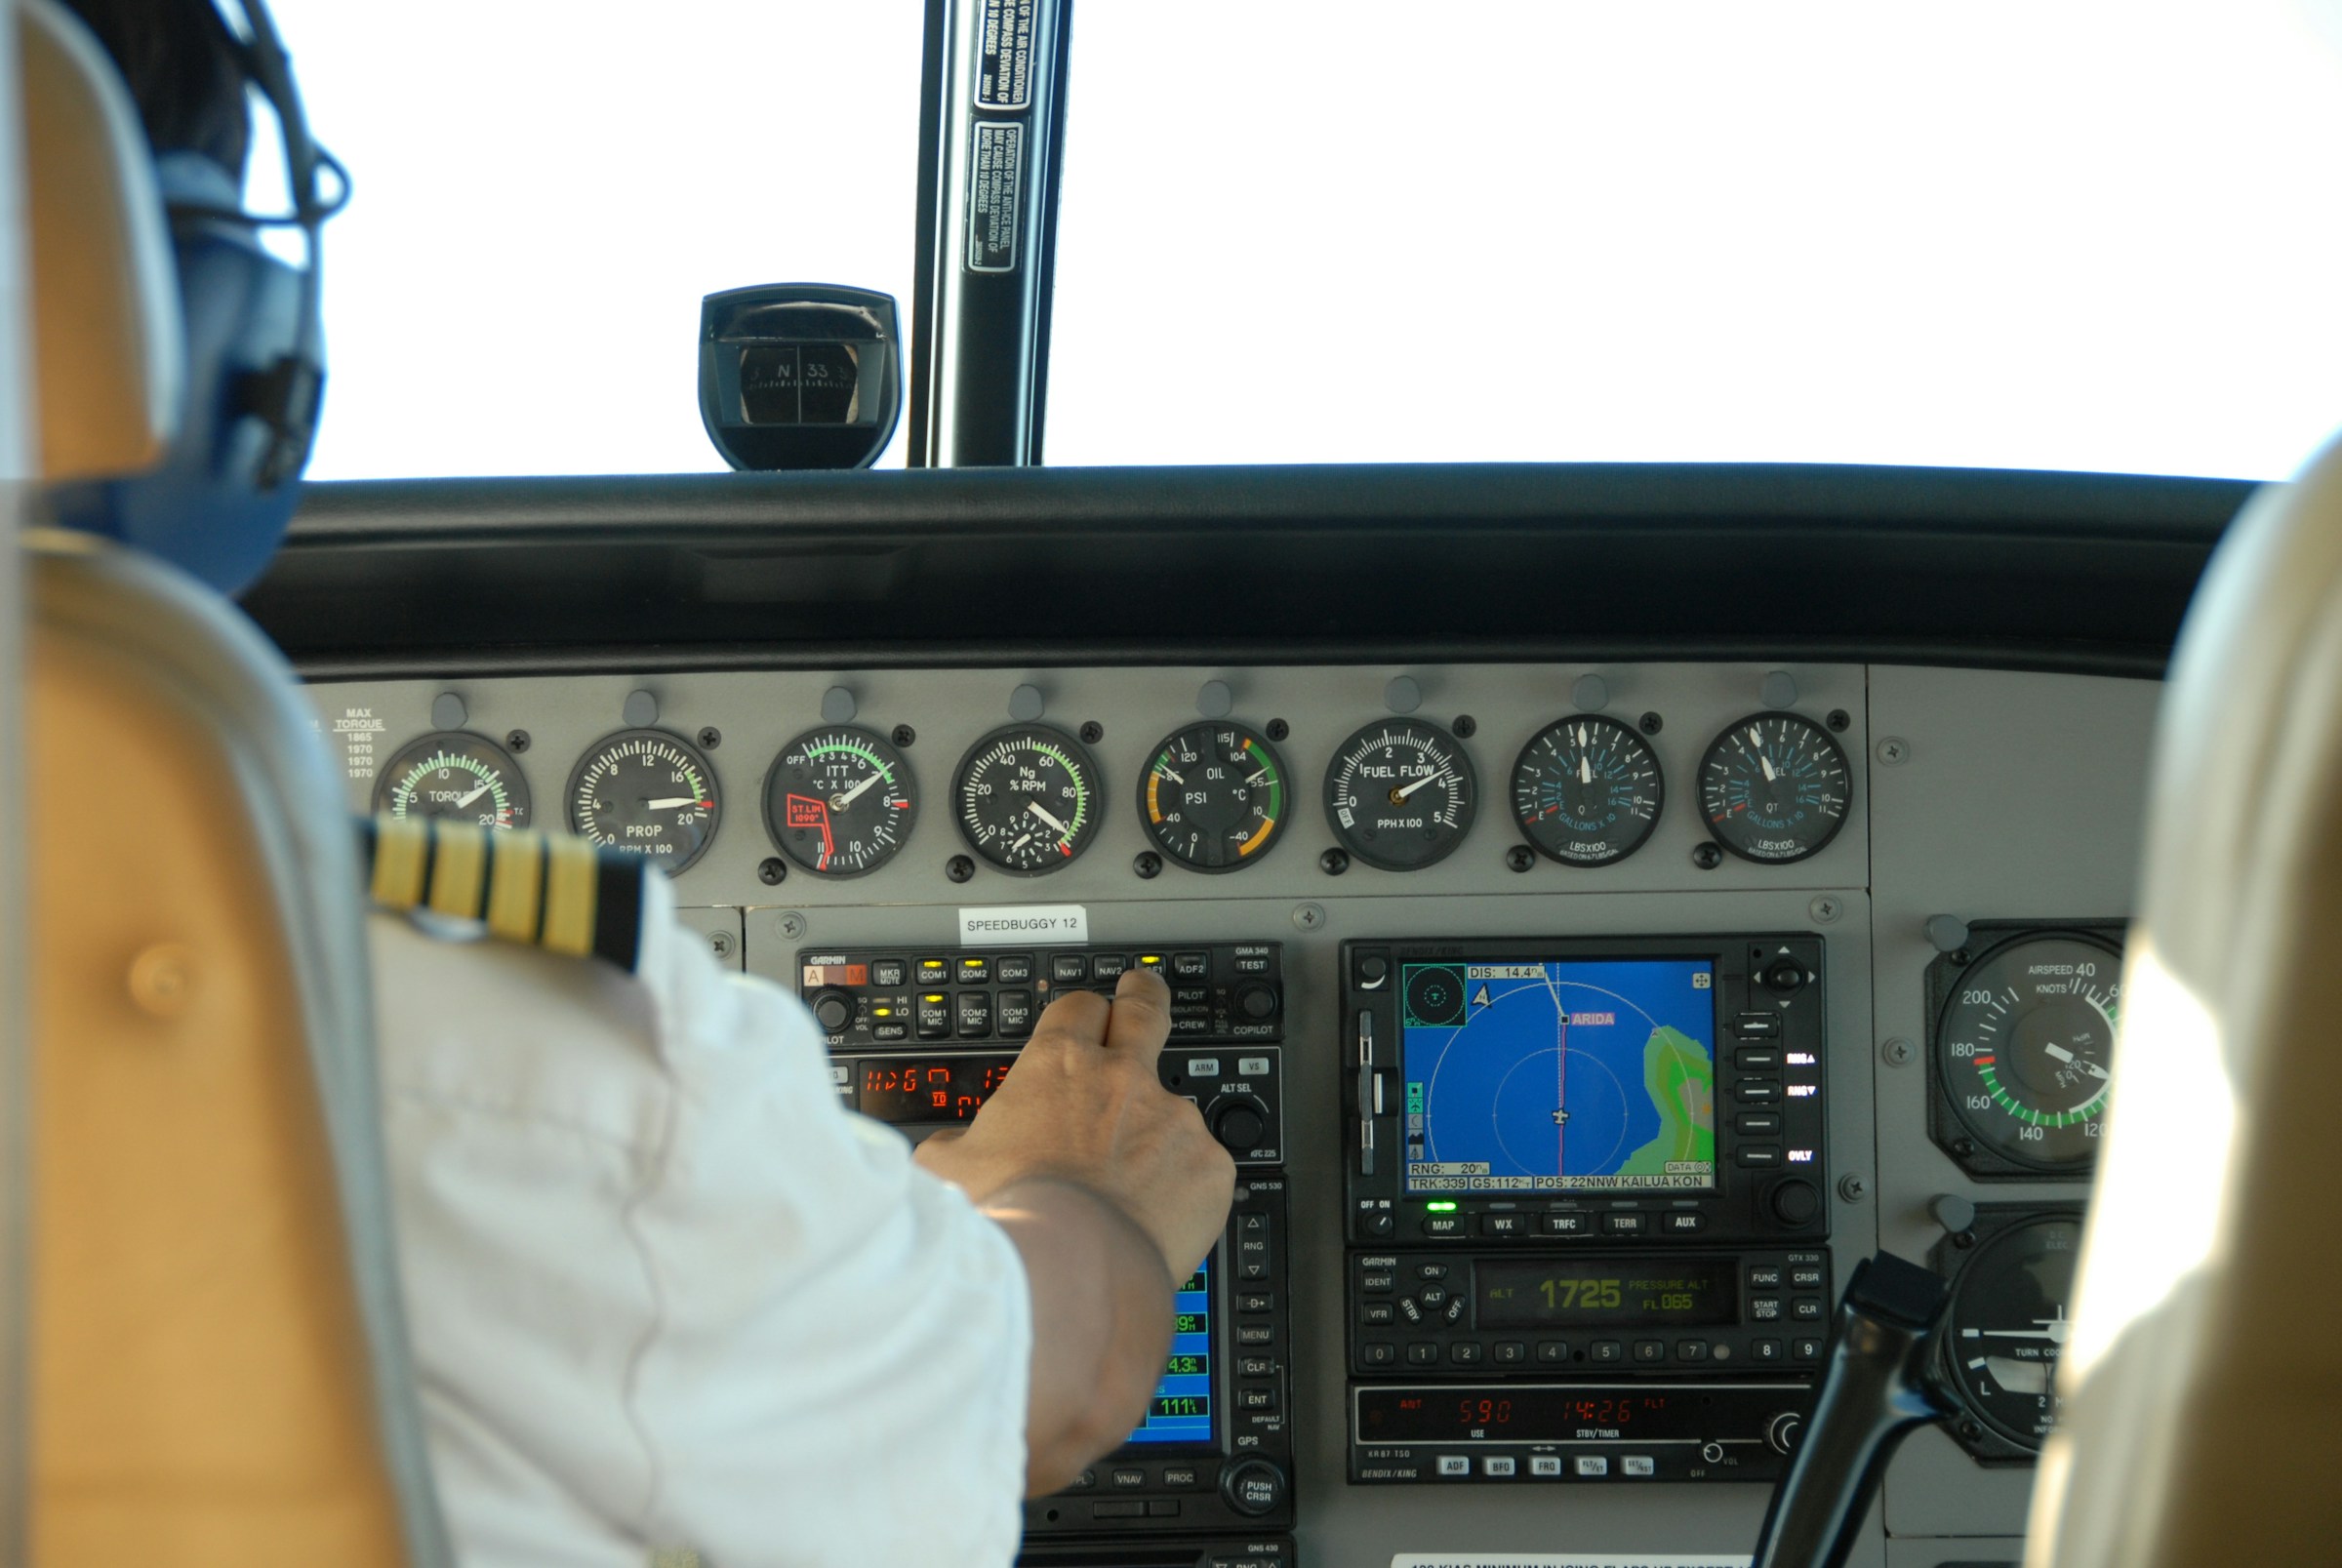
column 220, row 499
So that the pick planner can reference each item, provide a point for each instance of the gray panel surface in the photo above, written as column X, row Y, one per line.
column 2020, row 796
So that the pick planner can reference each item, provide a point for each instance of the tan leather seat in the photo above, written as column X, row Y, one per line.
column 219, row 1373
column 2204, row 1383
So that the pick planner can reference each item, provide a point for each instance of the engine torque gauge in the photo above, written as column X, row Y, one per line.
column 1027, row 799
column 454, row 776
column 839, row 801
column 1587, row 791
column 1774, row 788
column 646, row 792
column 2025, row 1047
column 1214, row 798
column 1401, row 794
column 2007, row 1326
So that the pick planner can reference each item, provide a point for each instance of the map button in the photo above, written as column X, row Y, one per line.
column 1442, row 1225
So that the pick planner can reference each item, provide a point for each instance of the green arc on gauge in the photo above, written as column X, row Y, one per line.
column 1081, row 794
column 2024, row 1112
column 862, row 751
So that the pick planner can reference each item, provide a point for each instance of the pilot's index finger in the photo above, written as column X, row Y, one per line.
column 1142, row 1016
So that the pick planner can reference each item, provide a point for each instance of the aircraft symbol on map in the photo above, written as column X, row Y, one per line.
column 1560, row 1118
column 1480, row 998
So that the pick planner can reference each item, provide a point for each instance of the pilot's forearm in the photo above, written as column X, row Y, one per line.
column 1100, row 1323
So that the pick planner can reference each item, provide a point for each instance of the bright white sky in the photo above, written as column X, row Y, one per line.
column 2010, row 233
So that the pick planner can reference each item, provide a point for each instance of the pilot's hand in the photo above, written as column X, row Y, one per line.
column 1083, row 1103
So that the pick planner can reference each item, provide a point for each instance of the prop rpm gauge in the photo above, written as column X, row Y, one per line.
column 839, row 801
column 1027, row 799
column 1587, row 791
column 1774, row 788
column 1214, row 797
column 454, row 776
column 1401, row 794
column 2025, row 1047
column 2009, row 1320
column 646, row 792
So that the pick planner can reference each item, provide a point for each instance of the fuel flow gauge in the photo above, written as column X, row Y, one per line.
column 1401, row 794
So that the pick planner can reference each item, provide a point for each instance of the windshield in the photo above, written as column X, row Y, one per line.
column 2057, row 234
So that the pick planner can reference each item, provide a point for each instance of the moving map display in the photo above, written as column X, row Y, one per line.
column 1579, row 1075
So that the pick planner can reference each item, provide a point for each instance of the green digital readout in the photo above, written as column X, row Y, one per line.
column 1594, row 1291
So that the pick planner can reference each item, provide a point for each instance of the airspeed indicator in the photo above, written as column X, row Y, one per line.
column 1401, row 794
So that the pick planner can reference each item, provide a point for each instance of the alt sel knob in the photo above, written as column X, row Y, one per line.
column 1239, row 1124
column 1253, row 1487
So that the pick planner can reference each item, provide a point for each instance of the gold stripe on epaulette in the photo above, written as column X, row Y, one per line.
column 515, row 885
column 570, row 871
column 402, row 854
column 459, row 870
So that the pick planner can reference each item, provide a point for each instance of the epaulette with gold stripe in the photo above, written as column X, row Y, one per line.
column 546, row 891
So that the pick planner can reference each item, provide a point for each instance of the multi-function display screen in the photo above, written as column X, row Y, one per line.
column 1182, row 1409
column 1598, row 1291
column 1570, row 1076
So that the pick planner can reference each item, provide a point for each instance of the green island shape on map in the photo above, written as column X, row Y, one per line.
column 1681, row 1079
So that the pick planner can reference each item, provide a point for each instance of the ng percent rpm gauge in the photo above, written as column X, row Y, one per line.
column 839, row 801
column 1587, row 791
column 2026, row 1044
column 1027, row 799
column 646, row 792
column 1214, row 797
column 454, row 776
column 1401, row 794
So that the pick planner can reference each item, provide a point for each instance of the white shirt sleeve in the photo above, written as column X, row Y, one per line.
column 667, row 1292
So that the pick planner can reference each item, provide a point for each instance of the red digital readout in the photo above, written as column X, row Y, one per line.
column 930, row 1091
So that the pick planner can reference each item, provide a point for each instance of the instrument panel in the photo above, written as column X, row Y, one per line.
column 1495, row 831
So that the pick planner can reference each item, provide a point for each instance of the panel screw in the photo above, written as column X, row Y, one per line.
column 1279, row 729
column 904, row 734
column 1334, row 862
column 1650, row 724
column 720, row 942
column 1898, row 1052
column 1963, row 1147
column 960, row 868
column 1149, row 865
column 711, row 738
column 772, row 871
column 1520, row 858
column 1893, row 752
column 1853, row 1189
column 792, row 924
column 1824, row 908
column 1307, row 916
column 1092, row 732
column 1839, row 720
column 1970, row 1430
column 1707, row 857
column 1466, row 726
column 517, row 741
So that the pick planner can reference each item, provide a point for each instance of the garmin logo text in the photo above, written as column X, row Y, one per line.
column 1038, row 924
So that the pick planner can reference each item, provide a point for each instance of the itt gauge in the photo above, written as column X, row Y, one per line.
column 453, row 776
column 839, row 801
column 646, row 792
column 1401, row 794
column 1027, row 799
column 1774, row 788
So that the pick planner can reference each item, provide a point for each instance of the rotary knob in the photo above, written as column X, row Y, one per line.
column 1253, row 1487
column 832, row 1010
column 1257, row 1002
column 1781, row 1433
column 1796, row 1203
column 1239, row 1124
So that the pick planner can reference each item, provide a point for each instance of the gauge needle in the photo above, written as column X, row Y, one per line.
column 467, row 800
column 1771, row 777
column 1173, row 777
column 2059, row 1053
column 841, row 802
column 670, row 802
column 1035, row 807
column 1585, row 768
column 1401, row 794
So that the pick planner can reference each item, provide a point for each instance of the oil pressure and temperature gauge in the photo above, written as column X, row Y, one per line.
column 454, row 776
column 646, row 792
column 1027, row 799
column 1214, row 798
column 1401, row 794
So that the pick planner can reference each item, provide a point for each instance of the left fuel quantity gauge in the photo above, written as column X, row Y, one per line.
column 454, row 776
column 646, row 792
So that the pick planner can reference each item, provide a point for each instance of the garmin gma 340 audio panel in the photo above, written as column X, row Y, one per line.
column 1683, row 986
